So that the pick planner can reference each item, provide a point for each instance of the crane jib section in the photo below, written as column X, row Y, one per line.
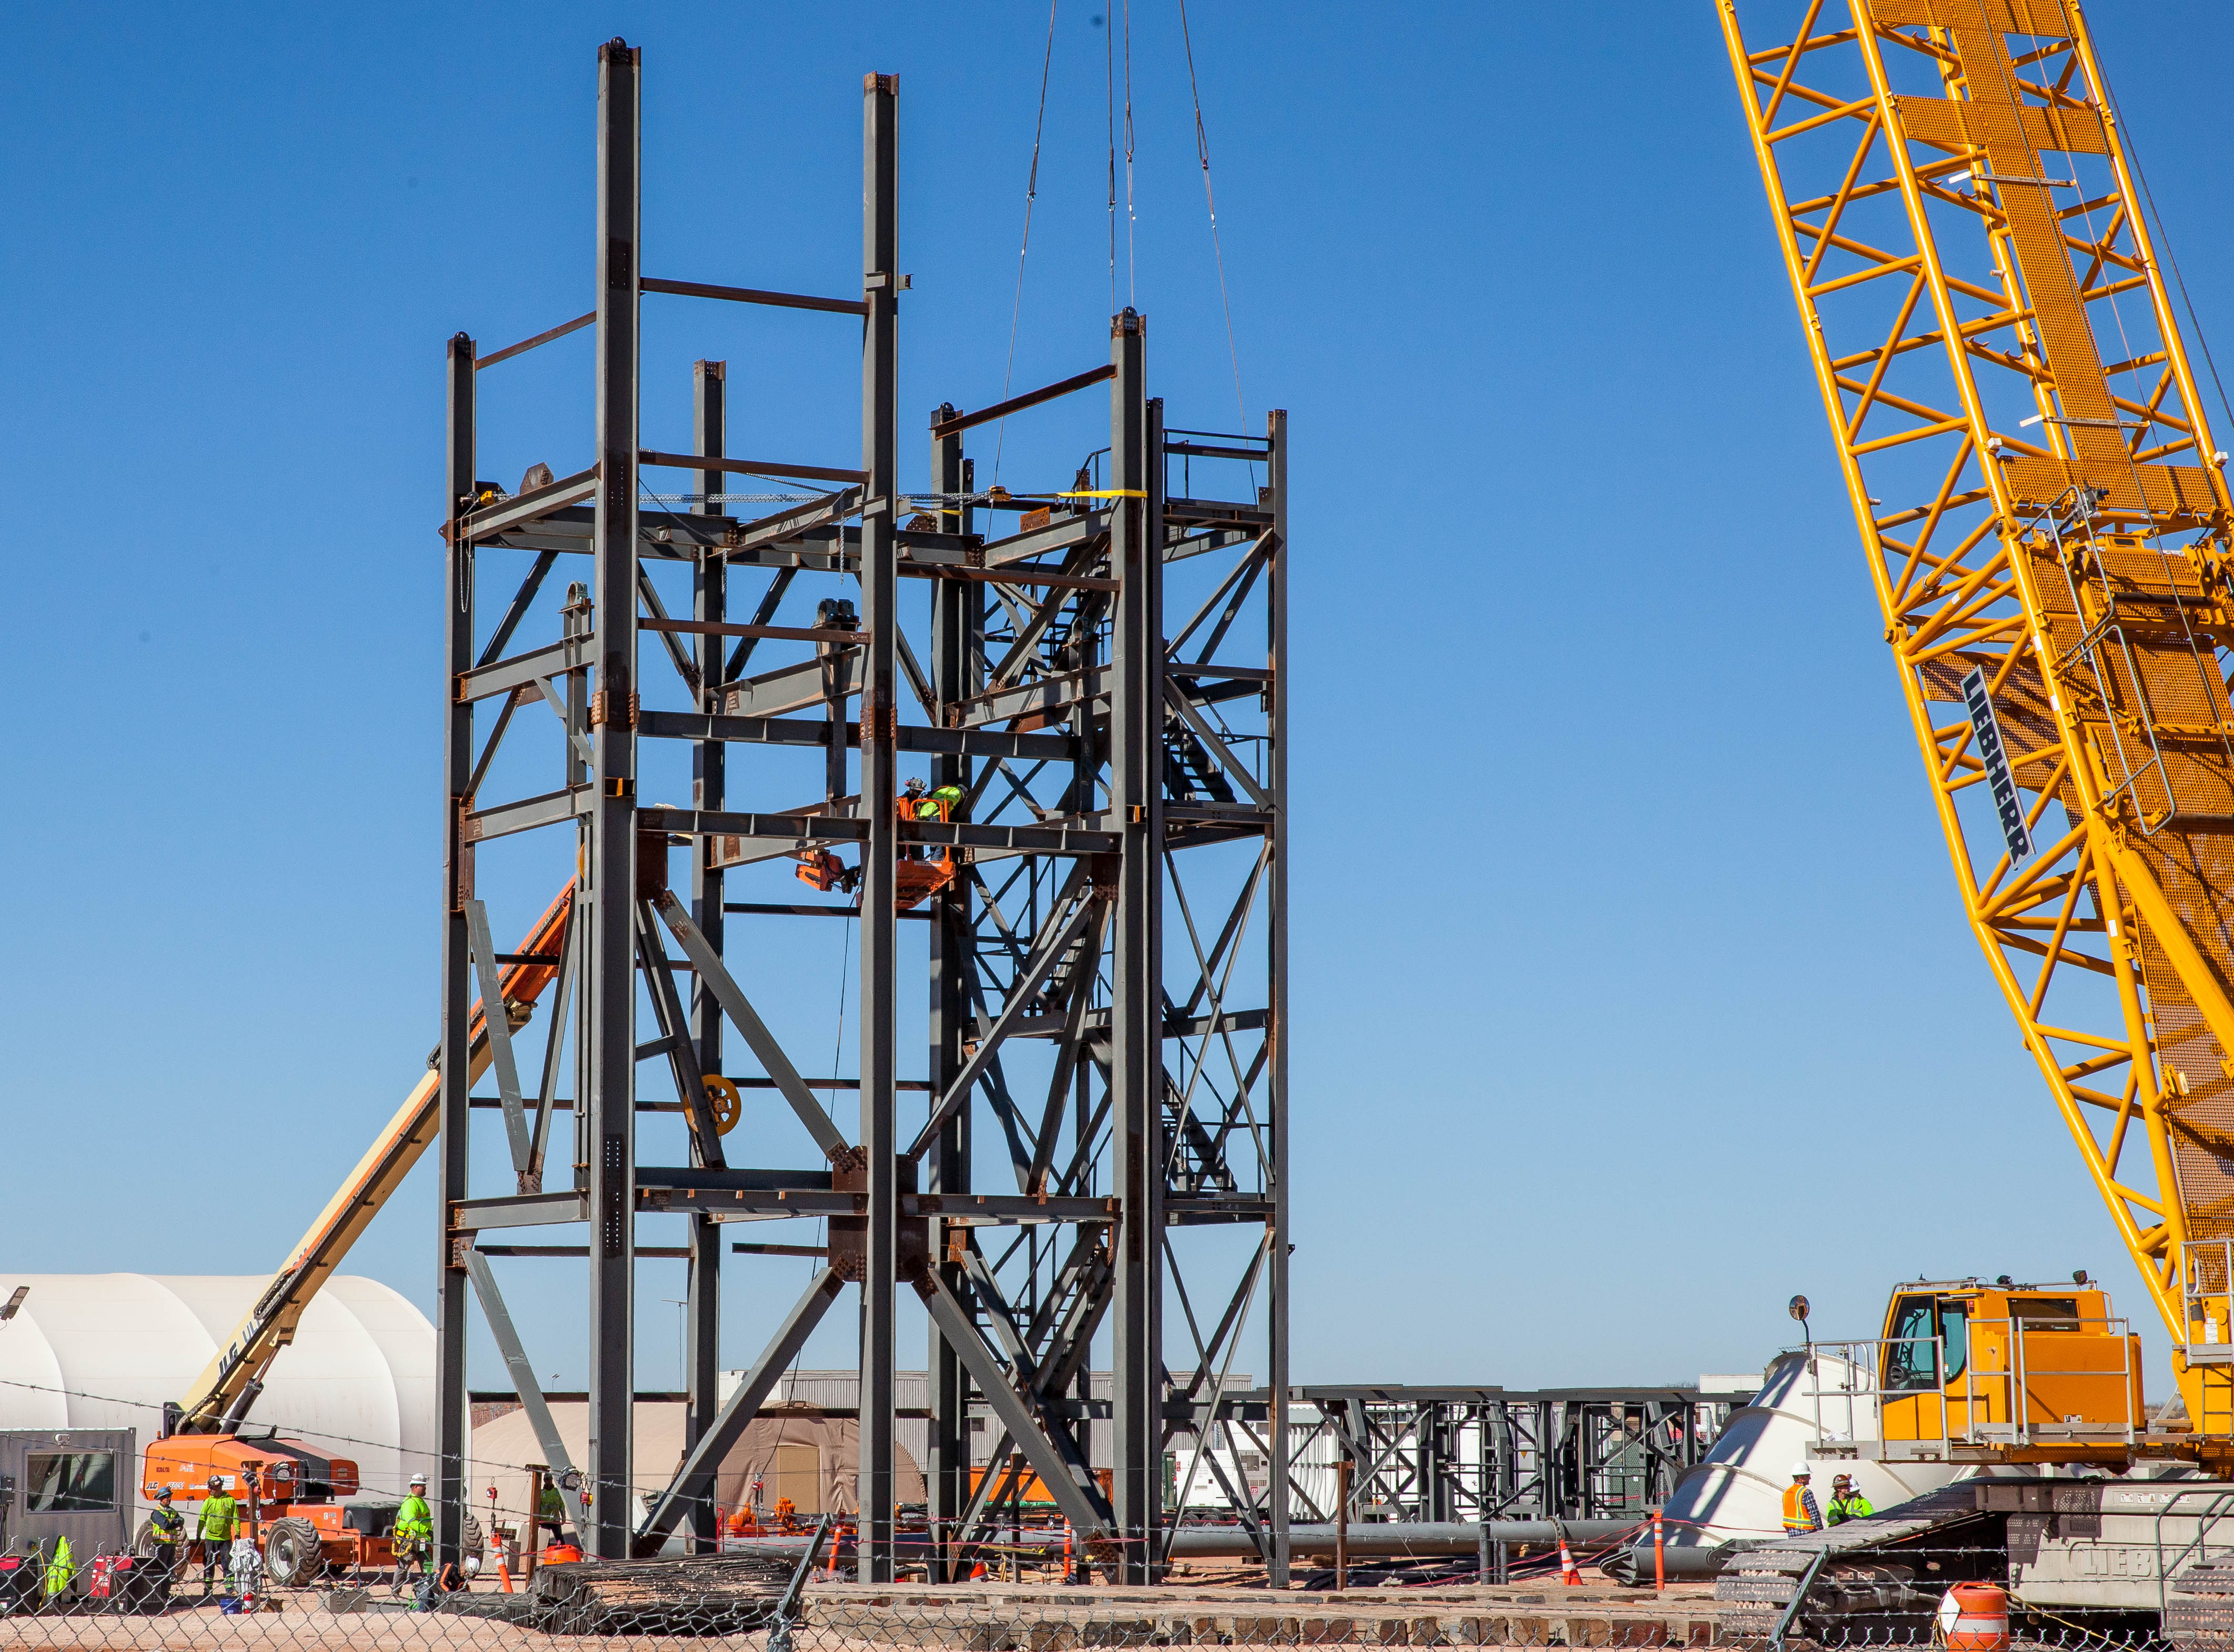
column 2048, row 525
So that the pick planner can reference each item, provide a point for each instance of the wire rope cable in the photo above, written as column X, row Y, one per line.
column 2012, row 87
column 1031, row 194
column 1217, row 246
column 2129, row 452
column 2164, row 239
column 1132, row 207
column 1109, row 92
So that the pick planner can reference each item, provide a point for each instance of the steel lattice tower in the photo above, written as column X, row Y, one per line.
column 1106, row 920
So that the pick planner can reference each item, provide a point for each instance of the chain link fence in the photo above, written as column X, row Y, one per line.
column 1919, row 1596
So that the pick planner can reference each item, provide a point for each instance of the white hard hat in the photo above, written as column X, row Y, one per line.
column 1798, row 1469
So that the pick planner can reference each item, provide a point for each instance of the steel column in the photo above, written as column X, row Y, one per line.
column 610, row 979
column 456, row 1054
column 879, row 711
column 1136, row 1012
column 1276, row 1033
column 709, row 602
column 957, row 671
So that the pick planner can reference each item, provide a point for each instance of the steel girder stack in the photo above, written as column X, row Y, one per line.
column 1103, row 912
column 2047, row 522
column 1424, row 1454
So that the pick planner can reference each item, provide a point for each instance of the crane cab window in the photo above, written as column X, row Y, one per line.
column 1912, row 1360
column 1955, row 1333
column 70, row 1482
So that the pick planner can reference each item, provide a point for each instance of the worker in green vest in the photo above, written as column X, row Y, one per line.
column 414, row 1541
column 918, row 804
column 1847, row 1502
column 60, row 1570
column 214, row 1532
column 551, row 1511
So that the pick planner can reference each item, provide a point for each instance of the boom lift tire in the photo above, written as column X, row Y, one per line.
column 291, row 1554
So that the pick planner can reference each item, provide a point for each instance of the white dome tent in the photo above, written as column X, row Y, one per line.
column 105, row 1350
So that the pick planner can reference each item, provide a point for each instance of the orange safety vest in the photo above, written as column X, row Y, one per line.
column 1799, row 1512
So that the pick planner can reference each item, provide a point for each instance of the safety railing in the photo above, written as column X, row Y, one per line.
column 2018, row 1377
column 1849, row 1408
column 2022, row 1385
column 2097, row 609
column 2207, row 1300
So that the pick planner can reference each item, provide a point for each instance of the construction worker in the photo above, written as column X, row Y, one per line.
column 1801, row 1513
column 214, row 1532
column 167, row 1531
column 413, row 1539
column 921, row 804
column 551, row 1514
column 1847, row 1502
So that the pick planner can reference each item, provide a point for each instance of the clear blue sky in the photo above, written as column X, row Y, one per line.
column 1631, row 991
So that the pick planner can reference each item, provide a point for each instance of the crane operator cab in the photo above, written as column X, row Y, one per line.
column 2008, row 1373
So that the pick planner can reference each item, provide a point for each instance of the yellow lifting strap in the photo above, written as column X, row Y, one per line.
column 1105, row 492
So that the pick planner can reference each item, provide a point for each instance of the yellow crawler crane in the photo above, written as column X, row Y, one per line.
column 2047, row 522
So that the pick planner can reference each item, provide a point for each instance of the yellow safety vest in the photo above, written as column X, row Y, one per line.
column 61, row 1569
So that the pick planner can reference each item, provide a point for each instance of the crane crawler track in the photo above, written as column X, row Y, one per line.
column 1867, row 1571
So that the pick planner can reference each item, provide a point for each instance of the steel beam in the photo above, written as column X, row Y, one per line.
column 958, row 620
column 1064, row 1473
column 710, row 591
column 1275, row 1032
column 609, row 978
column 1136, row 1078
column 713, row 977
column 694, row 1479
column 522, row 1370
column 454, row 1107
column 880, row 617
column 497, row 1021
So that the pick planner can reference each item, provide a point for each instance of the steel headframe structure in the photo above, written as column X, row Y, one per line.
column 2047, row 521
column 1102, row 894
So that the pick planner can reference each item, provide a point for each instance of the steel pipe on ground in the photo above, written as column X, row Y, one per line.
column 1382, row 1539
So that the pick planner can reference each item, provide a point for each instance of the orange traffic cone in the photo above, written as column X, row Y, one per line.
column 1568, row 1573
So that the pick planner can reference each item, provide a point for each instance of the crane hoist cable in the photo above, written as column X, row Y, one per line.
column 1216, row 247
column 1031, row 194
column 1132, row 207
column 1109, row 94
column 2164, row 240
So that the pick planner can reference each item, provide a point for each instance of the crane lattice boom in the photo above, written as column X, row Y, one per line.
column 2046, row 521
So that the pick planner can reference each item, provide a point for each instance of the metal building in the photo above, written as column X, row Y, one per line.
column 1095, row 1141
